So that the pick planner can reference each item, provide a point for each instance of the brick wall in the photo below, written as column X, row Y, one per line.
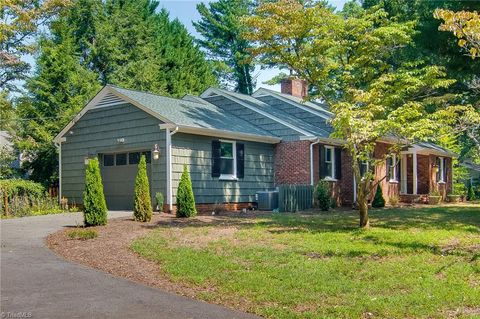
column 346, row 183
column 292, row 162
column 389, row 189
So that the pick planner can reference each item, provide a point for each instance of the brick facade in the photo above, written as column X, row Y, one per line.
column 390, row 189
column 292, row 163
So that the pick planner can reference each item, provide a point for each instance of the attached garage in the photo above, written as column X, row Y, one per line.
column 119, row 171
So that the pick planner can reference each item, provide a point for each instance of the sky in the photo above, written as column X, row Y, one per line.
column 186, row 12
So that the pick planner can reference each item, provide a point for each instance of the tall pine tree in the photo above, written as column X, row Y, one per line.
column 122, row 42
column 57, row 91
column 221, row 29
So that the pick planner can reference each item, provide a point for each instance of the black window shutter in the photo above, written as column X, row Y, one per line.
column 216, row 158
column 240, row 160
column 445, row 169
column 399, row 167
column 323, row 167
column 389, row 163
column 338, row 163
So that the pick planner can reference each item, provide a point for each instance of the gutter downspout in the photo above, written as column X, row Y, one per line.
column 311, row 160
column 59, row 147
column 168, row 141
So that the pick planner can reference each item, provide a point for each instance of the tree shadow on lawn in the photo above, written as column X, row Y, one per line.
column 465, row 219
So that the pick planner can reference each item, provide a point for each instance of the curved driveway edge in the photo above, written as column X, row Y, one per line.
column 37, row 283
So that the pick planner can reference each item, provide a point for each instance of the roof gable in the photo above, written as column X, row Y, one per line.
column 189, row 112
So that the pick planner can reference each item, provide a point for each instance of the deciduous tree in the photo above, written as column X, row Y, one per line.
column 352, row 63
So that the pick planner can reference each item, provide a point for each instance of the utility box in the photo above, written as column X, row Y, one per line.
column 267, row 200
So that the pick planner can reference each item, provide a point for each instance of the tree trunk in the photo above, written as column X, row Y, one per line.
column 362, row 202
column 363, row 208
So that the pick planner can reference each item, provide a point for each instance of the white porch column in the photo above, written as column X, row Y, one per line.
column 415, row 184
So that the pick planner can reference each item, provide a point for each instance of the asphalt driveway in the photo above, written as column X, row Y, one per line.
column 36, row 283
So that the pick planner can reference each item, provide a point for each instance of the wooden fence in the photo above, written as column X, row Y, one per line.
column 293, row 198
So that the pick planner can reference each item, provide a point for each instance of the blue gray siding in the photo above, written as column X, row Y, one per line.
column 97, row 132
column 195, row 151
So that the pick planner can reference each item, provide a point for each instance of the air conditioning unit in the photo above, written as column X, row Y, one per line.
column 267, row 200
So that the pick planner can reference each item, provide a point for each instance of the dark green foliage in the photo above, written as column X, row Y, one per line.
column 322, row 195
column 159, row 198
column 93, row 43
column 142, row 210
column 57, row 91
column 185, row 198
column 221, row 28
column 378, row 200
column 471, row 193
column 94, row 206
column 20, row 187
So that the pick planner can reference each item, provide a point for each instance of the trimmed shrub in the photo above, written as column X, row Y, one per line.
column 185, row 198
column 471, row 193
column 95, row 207
column 378, row 200
column 159, row 198
column 322, row 195
column 142, row 210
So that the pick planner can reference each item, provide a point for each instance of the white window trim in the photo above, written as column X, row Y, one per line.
column 441, row 170
column 331, row 176
column 230, row 177
column 395, row 167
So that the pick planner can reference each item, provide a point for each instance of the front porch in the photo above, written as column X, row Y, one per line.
column 423, row 172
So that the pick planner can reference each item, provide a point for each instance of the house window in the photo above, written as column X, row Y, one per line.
column 133, row 158
column 329, row 162
column 227, row 159
column 392, row 168
column 364, row 167
column 441, row 170
column 108, row 160
column 121, row 159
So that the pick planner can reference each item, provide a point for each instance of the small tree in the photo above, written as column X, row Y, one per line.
column 185, row 199
column 470, row 192
column 95, row 207
column 322, row 195
column 142, row 210
column 378, row 200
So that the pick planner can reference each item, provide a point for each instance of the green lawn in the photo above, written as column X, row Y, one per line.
column 413, row 263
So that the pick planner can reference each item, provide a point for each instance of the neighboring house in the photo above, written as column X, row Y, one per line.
column 473, row 171
column 233, row 145
column 6, row 145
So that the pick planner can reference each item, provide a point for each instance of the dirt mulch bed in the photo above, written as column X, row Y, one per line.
column 110, row 251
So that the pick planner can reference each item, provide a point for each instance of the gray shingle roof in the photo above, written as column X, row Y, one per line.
column 313, row 130
column 317, row 106
column 186, row 112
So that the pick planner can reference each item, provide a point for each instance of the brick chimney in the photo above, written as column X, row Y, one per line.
column 295, row 87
